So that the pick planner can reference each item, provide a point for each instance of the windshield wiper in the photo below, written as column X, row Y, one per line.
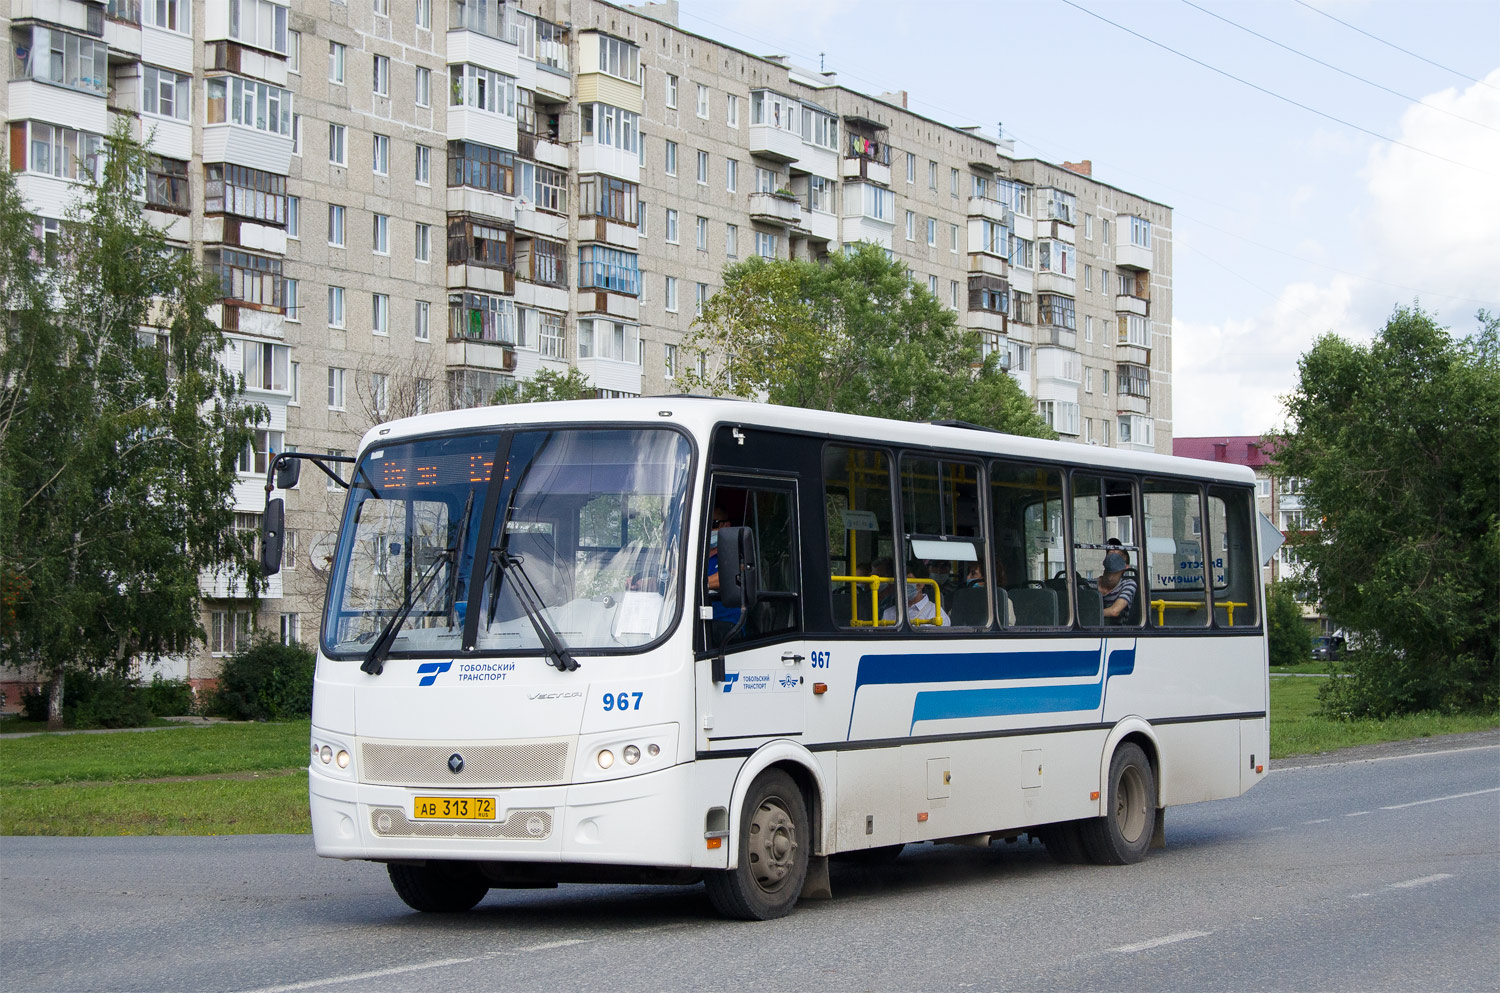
column 374, row 662
column 531, row 602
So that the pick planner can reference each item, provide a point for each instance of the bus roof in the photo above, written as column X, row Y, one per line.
column 701, row 414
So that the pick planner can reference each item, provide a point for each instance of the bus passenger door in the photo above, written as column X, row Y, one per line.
column 765, row 658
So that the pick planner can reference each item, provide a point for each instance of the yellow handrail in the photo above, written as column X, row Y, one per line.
column 874, row 583
column 1160, row 606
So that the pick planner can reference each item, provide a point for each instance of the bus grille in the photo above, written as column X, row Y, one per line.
column 535, row 763
column 521, row 825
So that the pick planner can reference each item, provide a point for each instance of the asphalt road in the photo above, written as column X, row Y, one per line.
column 1378, row 874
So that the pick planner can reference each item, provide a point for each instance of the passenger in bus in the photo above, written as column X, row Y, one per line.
column 918, row 606
column 1114, row 545
column 1117, row 589
column 974, row 580
column 939, row 571
column 722, row 614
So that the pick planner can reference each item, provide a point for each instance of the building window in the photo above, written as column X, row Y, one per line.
column 1055, row 256
column 335, row 306
column 765, row 180
column 931, row 232
column 380, row 159
column 247, row 278
column 703, row 101
column 338, row 149
column 249, row 103
column 953, row 184
column 482, row 89
column 670, row 290
column 1060, row 415
column 1056, row 311
column 619, row 58
column 931, row 175
column 1088, row 383
column 953, row 238
column 671, row 158
column 732, row 240
column 382, row 8
column 1088, row 226
column 289, row 296
column 911, row 167
column 550, row 190
column 641, row 213
column 671, row 91
column 294, row 218
column 479, row 242
column 482, row 317
column 932, row 286
column 380, row 393
column 381, row 74
column 245, row 192
column 335, row 389
column 731, row 116
column 608, row 197
column 606, row 125
column 765, row 245
column 606, row 339
column 669, row 362
column 702, row 168
column 424, row 14
column 1088, row 327
column 820, row 195
column 671, row 226
column 702, row 234
column 731, row 175
column 380, row 234
column 291, row 624
column 1133, row 330
column 165, row 93
column 1133, row 380
column 229, row 630
column 604, row 268
column 422, row 240
column 336, row 225
column 421, row 327
column 1020, row 357
column 424, row 87
column 953, row 292
column 265, row 366
column 1140, row 232
column 550, row 340
column 294, row 52
column 336, row 54
column 1020, row 307
column 702, row 299
column 68, row 60
column 1104, row 232
column 423, row 170
column 1137, row 429
column 380, row 313
column 911, row 226
column 167, row 185
column 1022, row 251
column 481, row 167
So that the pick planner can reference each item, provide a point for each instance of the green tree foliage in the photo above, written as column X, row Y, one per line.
column 852, row 334
column 266, row 681
column 119, row 434
column 1399, row 445
column 1290, row 637
column 546, row 385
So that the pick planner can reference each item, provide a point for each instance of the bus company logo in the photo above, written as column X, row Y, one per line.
column 432, row 671
column 787, row 682
column 730, row 678
column 570, row 694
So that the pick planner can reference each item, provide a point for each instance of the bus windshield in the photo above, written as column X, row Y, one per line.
column 584, row 543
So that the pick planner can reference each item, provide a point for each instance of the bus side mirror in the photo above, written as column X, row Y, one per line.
column 288, row 471
column 739, row 576
column 271, row 535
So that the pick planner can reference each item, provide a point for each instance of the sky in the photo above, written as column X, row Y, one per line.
column 1289, row 222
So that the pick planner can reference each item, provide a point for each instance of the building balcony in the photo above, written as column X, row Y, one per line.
column 241, row 232
column 985, row 263
column 1132, row 403
column 1060, row 337
column 1054, row 282
column 610, row 374
column 553, row 82
column 992, row 210
column 819, row 226
column 1133, row 257
column 549, row 152
column 477, row 353
column 122, row 27
column 775, row 208
column 231, row 56
column 868, row 170
column 248, row 147
column 610, row 161
column 775, row 144
column 542, row 222
column 467, row 200
column 987, row 321
column 467, row 276
column 1132, row 305
column 41, row 101
column 621, row 305
column 610, row 232
column 248, row 318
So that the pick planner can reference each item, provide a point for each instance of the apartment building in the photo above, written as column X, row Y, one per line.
column 412, row 201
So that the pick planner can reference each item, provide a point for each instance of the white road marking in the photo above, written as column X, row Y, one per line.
column 1169, row 939
column 1358, row 813
column 355, row 977
column 1320, row 820
column 1422, row 881
column 1274, row 829
column 1440, row 799
column 1358, row 896
column 1382, row 758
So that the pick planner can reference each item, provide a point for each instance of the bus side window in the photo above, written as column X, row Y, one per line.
column 1026, row 522
column 1173, row 564
column 1230, row 551
column 861, row 536
column 1104, row 527
column 945, row 545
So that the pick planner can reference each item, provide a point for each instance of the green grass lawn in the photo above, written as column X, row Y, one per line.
column 269, row 803
column 1297, row 729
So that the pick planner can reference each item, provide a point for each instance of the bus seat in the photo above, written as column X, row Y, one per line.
column 1036, row 606
column 841, row 604
column 1004, row 615
column 1133, row 613
column 969, row 606
column 1090, row 607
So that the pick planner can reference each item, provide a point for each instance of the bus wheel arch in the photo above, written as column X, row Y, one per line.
column 1129, row 825
column 798, row 763
column 1143, row 735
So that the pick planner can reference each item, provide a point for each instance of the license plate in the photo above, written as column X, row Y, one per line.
column 454, row 808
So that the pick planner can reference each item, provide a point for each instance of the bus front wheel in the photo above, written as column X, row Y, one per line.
column 1123, row 834
column 773, row 853
column 434, row 891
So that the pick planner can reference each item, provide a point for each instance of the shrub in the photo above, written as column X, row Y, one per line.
column 266, row 681
column 167, row 697
column 1291, row 641
column 93, row 700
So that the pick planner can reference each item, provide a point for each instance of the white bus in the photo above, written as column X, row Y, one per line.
column 530, row 671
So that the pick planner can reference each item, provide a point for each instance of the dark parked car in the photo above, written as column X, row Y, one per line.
column 1328, row 647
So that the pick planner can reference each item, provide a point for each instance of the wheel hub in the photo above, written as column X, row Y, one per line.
column 773, row 844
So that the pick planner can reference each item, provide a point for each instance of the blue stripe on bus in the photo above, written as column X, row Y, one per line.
column 937, row 705
column 973, row 667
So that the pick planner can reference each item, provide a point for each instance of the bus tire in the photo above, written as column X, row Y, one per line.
column 1063, row 841
column 773, row 853
column 1123, row 834
column 434, row 891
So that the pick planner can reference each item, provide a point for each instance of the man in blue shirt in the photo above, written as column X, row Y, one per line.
column 730, row 615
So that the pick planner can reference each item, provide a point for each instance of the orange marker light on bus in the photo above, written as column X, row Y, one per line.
column 714, row 843
column 1260, row 768
column 1094, row 795
column 922, row 817
column 819, row 689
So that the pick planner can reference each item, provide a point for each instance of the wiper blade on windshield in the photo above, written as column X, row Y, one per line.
column 531, row 602
column 374, row 662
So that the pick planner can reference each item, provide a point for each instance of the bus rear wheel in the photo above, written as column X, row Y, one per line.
column 773, row 853
column 434, row 890
column 1123, row 834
